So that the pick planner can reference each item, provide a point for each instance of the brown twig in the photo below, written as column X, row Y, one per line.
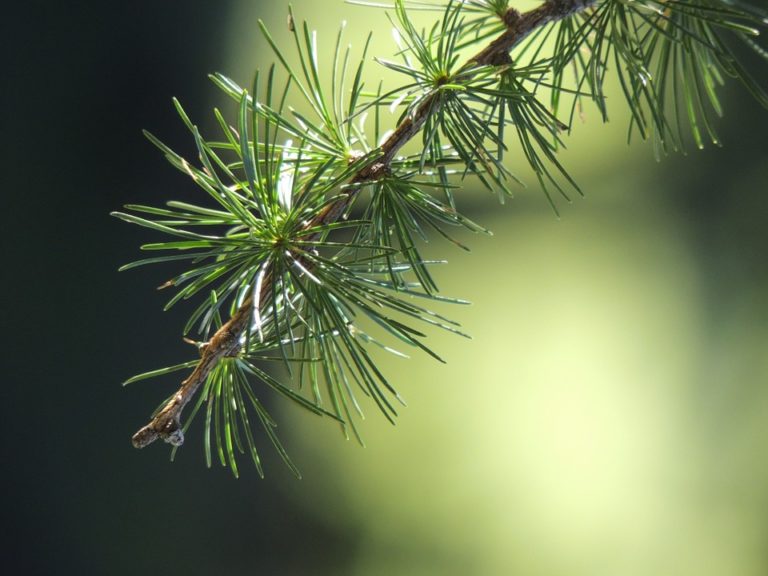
column 166, row 424
column 519, row 26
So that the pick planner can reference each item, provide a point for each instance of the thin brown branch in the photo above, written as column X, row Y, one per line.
column 166, row 424
column 519, row 26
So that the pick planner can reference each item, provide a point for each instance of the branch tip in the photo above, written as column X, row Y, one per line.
column 169, row 431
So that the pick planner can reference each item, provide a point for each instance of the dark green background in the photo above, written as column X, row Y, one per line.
column 80, row 81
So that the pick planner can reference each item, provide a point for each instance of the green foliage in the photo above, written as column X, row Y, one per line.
column 326, row 284
column 670, row 57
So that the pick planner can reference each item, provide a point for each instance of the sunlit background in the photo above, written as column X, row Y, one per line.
column 609, row 415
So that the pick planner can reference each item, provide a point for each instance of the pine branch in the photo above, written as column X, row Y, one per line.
column 296, row 294
column 166, row 424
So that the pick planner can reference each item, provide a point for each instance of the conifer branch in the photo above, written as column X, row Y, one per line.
column 296, row 294
column 166, row 424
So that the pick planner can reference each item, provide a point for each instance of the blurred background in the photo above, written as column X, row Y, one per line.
column 609, row 416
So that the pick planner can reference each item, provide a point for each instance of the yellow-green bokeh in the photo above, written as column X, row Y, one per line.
column 590, row 426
